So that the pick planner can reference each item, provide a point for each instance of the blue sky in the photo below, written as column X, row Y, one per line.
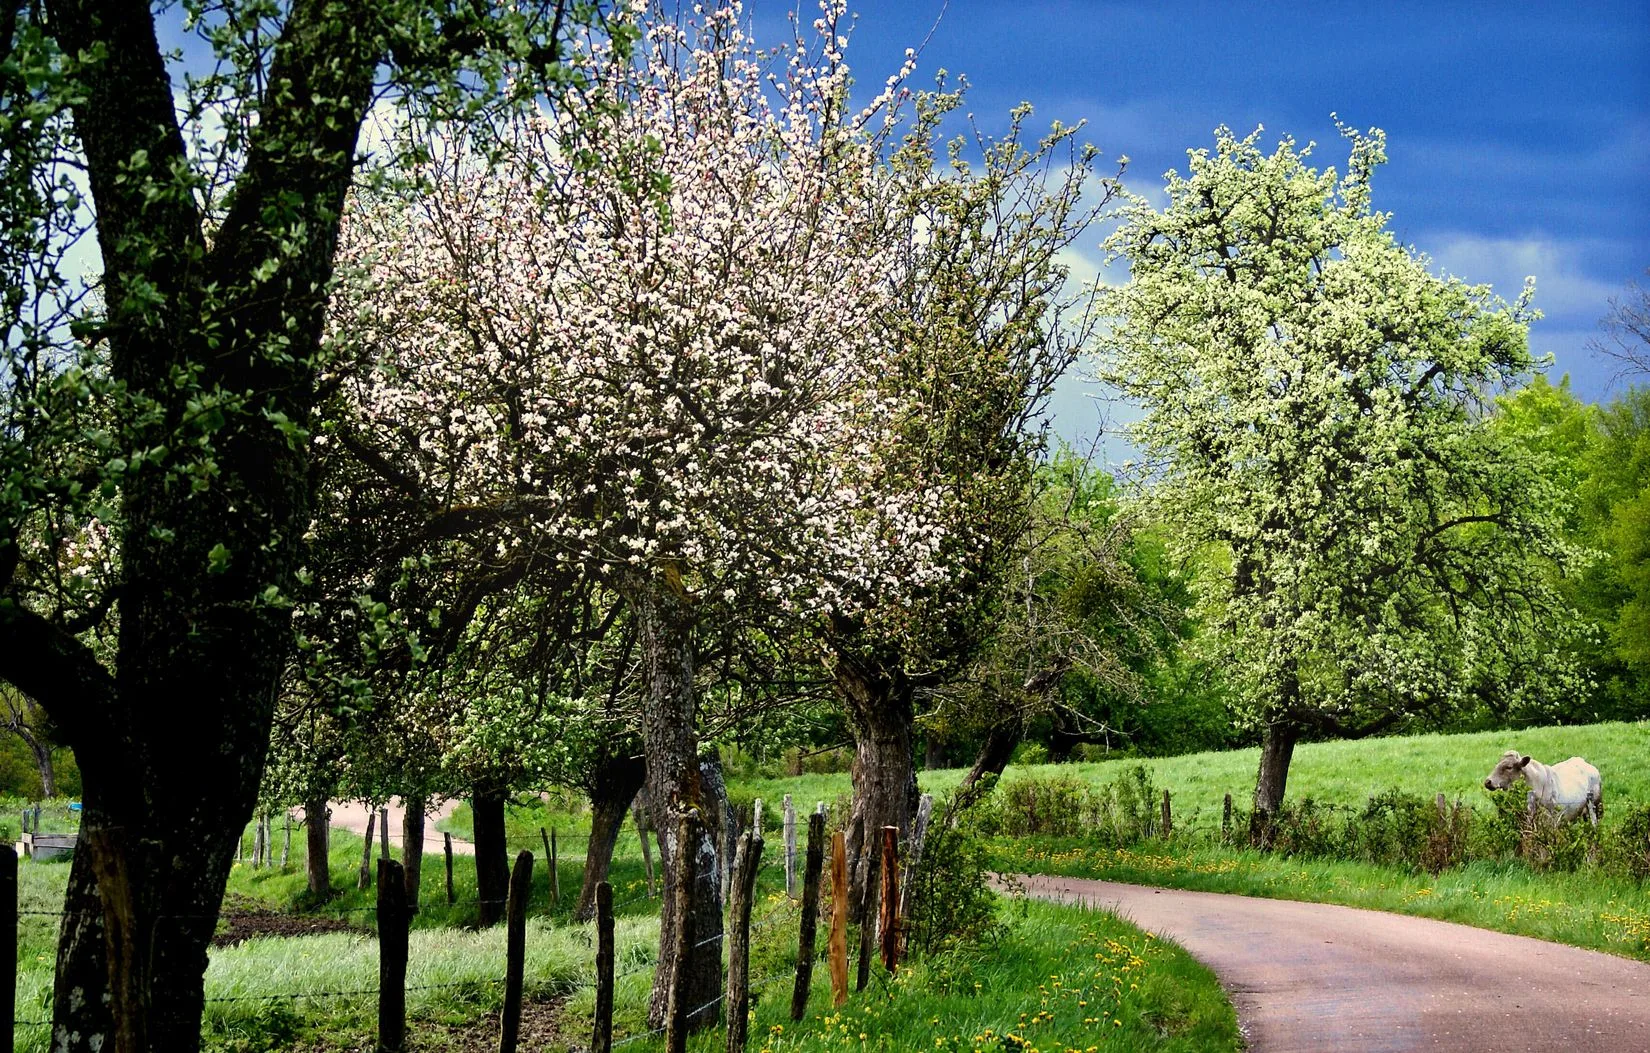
column 1518, row 134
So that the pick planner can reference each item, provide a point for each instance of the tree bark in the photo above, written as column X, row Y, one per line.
column 412, row 847
column 882, row 713
column 995, row 752
column 933, row 753
column 719, row 817
column 492, row 854
column 612, row 786
column 317, row 846
column 673, row 791
column 41, row 750
column 1277, row 747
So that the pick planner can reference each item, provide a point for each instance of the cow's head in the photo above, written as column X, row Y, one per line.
column 1506, row 771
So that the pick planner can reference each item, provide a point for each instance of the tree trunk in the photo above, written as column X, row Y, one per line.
column 612, row 786
column 318, row 845
column 41, row 750
column 412, row 847
column 1277, row 746
column 673, row 791
column 492, row 854
column 882, row 713
column 995, row 753
column 713, row 795
column 933, row 753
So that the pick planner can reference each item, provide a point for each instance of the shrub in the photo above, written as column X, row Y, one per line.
column 952, row 903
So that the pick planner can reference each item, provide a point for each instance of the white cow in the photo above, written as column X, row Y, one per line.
column 1569, row 788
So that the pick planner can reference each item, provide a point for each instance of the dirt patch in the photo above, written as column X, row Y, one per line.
column 243, row 919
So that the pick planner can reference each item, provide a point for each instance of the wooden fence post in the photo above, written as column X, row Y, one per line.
column 366, row 853
column 1443, row 806
column 601, row 1040
column 392, row 956
column 747, row 860
column 447, row 844
column 286, row 845
column 790, row 847
column 8, row 938
column 838, row 946
column 1226, row 820
column 810, row 916
column 384, row 832
column 550, row 864
column 515, row 951
column 1168, row 828
column 676, row 1013
column 913, row 857
column 555, row 869
column 890, row 897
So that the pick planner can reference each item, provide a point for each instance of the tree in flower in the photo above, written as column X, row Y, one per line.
column 663, row 368
column 1315, row 412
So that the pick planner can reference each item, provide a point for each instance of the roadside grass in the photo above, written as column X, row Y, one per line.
column 1585, row 908
column 1342, row 773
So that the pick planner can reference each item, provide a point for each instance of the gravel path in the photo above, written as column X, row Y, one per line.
column 1315, row 978
column 352, row 815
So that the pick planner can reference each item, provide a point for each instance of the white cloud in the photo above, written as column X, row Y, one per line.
column 1563, row 289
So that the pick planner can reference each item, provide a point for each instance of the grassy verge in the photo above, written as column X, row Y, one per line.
column 1061, row 980
column 1585, row 909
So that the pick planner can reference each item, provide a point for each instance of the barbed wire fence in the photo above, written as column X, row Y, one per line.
column 391, row 915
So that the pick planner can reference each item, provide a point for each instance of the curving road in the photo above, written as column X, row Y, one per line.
column 1316, row 978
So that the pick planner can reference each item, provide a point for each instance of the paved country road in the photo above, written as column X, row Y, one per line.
column 1316, row 978
column 352, row 815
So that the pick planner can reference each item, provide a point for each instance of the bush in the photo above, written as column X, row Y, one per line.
column 952, row 903
column 1120, row 813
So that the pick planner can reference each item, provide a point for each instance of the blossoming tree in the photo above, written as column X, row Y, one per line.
column 1314, row 404
column 662, row 368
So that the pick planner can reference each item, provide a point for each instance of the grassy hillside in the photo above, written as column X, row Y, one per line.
column 1332, row 772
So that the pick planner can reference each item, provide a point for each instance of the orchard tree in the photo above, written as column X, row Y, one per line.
column 1314, row 405
column 169, row 412
column 1626, row 336
column 983, row 323
column 660, row 369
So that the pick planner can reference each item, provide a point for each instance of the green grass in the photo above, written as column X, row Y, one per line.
column 1060, row 979
column 1344, row 773
column 1585, row 909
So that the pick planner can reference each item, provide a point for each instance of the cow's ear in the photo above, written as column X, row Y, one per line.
column 1523, row 762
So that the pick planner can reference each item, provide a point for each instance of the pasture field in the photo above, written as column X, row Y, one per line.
column 1341, row 773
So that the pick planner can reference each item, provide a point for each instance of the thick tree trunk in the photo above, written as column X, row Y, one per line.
column 492, row 854
column 719, row 817
column 1277, row 746
column 882, row 713
column 673, row 792
column 933, row 753
column 612, row 786
column 318, row 845
column 412, row 847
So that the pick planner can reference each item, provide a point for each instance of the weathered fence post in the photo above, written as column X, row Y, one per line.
column 8, row 938
column 747, row 860
column 1168, row 827
column 647, row 849
column 890, row 897
column 913, row 857
column 447, row 845
column 837, row 949
column 366, row 852
column 868, row 918
column 601, row 1040
column 1443, row 806
column 1226, row 820
column 392, row 956
column 286, row 844
column 555, row 869
column 790, row 847
column 384, row 832
column 810, row 916
column 515, row 951
column 550, row 864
